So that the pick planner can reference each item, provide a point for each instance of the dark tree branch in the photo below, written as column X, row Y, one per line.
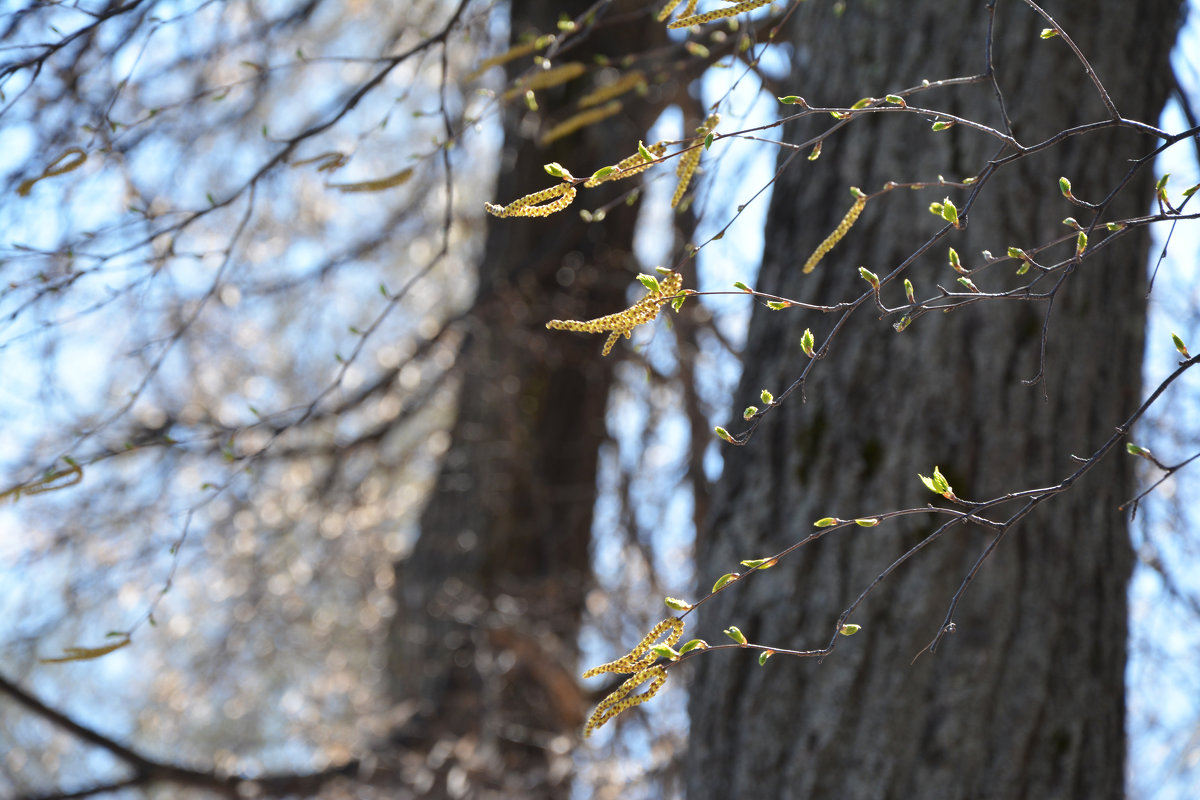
column 150, row 772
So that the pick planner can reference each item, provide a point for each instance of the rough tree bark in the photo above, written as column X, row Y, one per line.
column 1026, row 698
column 484, row 646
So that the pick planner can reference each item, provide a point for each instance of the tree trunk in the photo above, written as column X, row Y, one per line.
column 1026, row 698
column 484, row 652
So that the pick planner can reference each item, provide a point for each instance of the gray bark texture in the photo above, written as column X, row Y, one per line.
column 484, row 646
column 1026, row 698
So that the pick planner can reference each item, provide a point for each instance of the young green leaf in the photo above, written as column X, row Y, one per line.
column 866, row 522
column 767, row 397
column 955, row 264
column 742, row 286
column 938, row 484
column 722, row 433
column 650, row 282
column 849, row 629
column 694, row 644
column 1064, row 186
column 1180, row 346
column 759, row 563
column 727, row 578
column 807, row 342
column 950, row 212
column 826, row 522
column 665, row 651
column 764, row 655
column 908, row 291
column 869, row 277
column 749, row 412
column 677, row 604
column 777, row 305
column 733, row 632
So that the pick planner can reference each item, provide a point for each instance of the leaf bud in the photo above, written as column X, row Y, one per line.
column 677, row 604
column 1180, row 346
column 728, row 577
column 954, row 261
column 869, row 277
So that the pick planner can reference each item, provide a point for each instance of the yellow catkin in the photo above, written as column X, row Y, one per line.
column 52, row 482
column 623, row 322
column 544, row 79
column 619, row 700
column 628, row 81
column 628, row 167
column 720, row 13
column 687, row 167
column 71, row 159
column 667, row 9
column 509, row 55
column 633, row 661
column 527, row 206
column 691, row 159
column 580, row 120
column 841, row 230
